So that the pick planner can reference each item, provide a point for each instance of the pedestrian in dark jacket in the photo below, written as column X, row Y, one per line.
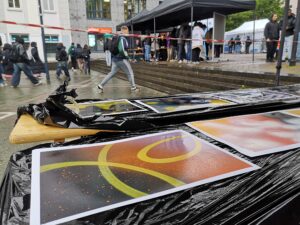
column 62, row 61
column 21, row 63
column 289, row 36
column 87, row 59
column 272, row 36
column 36, row 64
column 248, row 44
column 79, row 57
column 7, row 64
column 2, row 83
column 72, row 54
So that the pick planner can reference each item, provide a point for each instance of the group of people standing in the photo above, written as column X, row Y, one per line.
column 272, row 36
column 235, row 45
column 184, row 44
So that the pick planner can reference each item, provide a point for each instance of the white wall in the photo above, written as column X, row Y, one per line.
column 29, row 13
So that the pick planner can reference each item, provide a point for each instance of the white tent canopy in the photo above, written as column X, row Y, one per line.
column 246, row 29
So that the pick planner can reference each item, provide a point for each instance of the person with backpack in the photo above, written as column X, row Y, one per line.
column 21, row 62
column 119, row 46
column 87, row 59
column 36, row 64
column 79, row 57
column 2, row 82
column 62, row 61
column 8, row 67
column 72, row 54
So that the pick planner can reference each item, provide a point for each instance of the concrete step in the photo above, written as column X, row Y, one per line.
column 186, row 78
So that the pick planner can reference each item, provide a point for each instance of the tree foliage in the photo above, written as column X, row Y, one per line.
column 264, row 9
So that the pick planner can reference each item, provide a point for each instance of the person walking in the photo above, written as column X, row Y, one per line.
column 62, row 61
column 79, row 57
column 36, row 64
column 248, row 44
column 271, row 33
column 2, row 82
column 21, row 62
column 119, row 61
column 8, row 67
column 72, row 54
column 289, row 37
column 87, row 59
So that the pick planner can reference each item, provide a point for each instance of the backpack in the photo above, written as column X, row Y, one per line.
column 14, row 55
column 112, row 45
column 58, row 55
column 121, row 49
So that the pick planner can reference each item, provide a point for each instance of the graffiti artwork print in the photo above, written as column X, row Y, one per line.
column 73, row 182
column 182, row 103
column 105, row 108
column 254, row 135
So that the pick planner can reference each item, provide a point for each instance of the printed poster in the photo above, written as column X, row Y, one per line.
column 182, row 103
column 73, row 182
column 253, row 96
column 105, row 108
column 254, row 135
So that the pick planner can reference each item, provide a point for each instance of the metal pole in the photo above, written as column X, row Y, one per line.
column 192, row 19
column 283, row 33
column 253, row 39
column 132, row 41
column 296, row 37
column 154, row 38
column 43, row 40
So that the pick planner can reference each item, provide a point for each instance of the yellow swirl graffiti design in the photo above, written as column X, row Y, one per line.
column 104, row 167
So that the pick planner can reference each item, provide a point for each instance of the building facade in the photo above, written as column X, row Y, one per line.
column 55, row 13
column 294, row 4
column 100, row 16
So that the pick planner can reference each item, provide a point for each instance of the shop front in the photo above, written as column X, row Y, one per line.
column 96, row 39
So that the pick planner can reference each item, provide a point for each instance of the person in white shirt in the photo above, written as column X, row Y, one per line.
column 197, row 43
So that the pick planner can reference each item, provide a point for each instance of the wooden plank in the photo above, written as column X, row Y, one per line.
column 28, row 130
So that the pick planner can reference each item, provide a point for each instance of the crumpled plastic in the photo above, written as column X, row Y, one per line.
column 54, row 113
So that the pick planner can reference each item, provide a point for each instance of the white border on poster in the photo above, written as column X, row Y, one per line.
column 110, row 114
column 182, row 110
column 245, row 151
column 35, row 183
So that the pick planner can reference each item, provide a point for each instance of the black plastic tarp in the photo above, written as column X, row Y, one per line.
column 175, row 12
column 267, row 196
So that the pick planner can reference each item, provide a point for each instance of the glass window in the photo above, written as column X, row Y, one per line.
column 24, row 36
column 98, row 9
column 14, row 4
column 51, row 43
column 133, row 7
column 48, row 5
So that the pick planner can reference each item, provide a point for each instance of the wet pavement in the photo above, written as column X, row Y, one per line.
column 12, row 98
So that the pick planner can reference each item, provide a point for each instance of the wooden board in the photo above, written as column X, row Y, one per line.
column 28, row 130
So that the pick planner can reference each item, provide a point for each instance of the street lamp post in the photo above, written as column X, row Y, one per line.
column 43, row 40
column 282, row 39
column 296, row 37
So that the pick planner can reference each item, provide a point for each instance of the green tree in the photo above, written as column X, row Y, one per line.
column 264, row 9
